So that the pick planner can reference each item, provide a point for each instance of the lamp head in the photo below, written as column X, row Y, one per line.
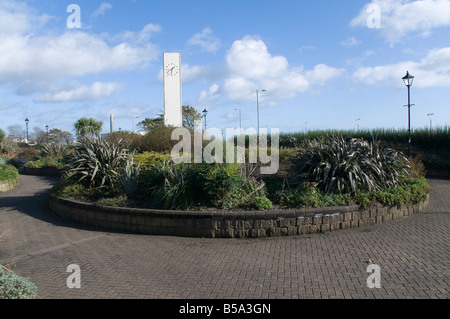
column 408, row 79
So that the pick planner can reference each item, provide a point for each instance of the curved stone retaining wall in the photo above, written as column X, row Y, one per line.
column 242, row 224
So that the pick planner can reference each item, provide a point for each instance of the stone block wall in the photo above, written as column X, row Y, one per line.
column 238, row 224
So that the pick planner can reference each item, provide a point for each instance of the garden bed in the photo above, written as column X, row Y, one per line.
column 8, row 177
column 230, row 224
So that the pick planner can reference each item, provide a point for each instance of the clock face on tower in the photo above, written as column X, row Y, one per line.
column 171, row 69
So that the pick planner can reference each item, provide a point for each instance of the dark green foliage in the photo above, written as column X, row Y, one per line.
column 261, row 203
column 192, row 186
column 97, row 163
column 129, row 176
column 433, row 145
column 8, row 173
column 413, row 190
column 55, row 150
column 347, row 166
column 309, row 196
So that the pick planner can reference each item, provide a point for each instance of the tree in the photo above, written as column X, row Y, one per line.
column 60, row 137
column 39, row 135
column 150, row 123
column 2, row 135
column 190, row 116
column 16, row 131
column 87, row 127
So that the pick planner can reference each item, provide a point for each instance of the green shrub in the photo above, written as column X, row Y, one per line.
column 129, row 177
column 341, row 166
column 97, row 163
column 158, row 139
column 121, row 201
column 8, row 173
column 173, row 186
column 261, row 203
column 148, row 159
column 67, row 189
column 8, row 148
column 309, row 196
column 193, row 186
column 2, row 135
column 55, row 151
column 412, row 190
column 13, row 286
column 28, row 152
column 222, row 184
column 46, row 163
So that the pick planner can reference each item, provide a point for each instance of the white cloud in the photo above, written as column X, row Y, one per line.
column 206, row 40
column 432, row 71
column 250, row 58
column 251, row 67
column 33, row 63
column 192, row 73
column 102, row 9
column 350, row 42
column 79, row 93
column 404, row 17
column 209, row 96
column 137, row 38
column 43, row 60
column 18, row 18
column 322, row 73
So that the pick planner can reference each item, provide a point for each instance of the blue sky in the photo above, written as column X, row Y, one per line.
column 325, row 63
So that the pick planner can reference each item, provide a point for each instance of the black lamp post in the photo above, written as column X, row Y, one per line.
column 257, row 108
column 46, row 127
column 408, row 80
column 240, row 120
column 27, row 121
column 430, row 115
column 205, row 114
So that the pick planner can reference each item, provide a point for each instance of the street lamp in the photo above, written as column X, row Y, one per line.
column 205, row 114
column 27, row 121
column 240, row 120
column 257, row 107
column 47, row 127
column 431, row 120
column 134, row 127
column 357, row 123
column 408, row 80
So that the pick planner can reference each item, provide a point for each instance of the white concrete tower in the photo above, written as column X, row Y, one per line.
column 173, row 113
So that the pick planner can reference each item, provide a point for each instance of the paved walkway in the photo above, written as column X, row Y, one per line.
column 413, row 255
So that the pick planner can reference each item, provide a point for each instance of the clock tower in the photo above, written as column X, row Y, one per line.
column 173, row 113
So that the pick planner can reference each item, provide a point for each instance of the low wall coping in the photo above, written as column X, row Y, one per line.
column 229, row 224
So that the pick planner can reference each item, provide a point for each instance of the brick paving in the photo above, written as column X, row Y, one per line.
column 413, row 255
